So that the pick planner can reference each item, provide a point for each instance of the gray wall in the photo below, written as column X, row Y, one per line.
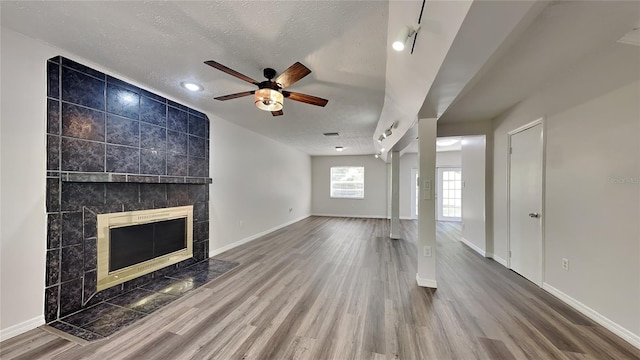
column 473, row 194
column 592, row 120
column 374, row 203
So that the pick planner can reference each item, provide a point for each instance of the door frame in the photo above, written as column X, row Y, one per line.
column 439, row 191
column 541, row 121
column 415, row 172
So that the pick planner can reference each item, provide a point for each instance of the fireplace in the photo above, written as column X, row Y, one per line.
column 136, row 243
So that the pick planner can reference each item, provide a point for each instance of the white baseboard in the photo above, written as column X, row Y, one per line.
column 22, row 327
column 353, row 216
column 628, row 336
column 499, row 260
column 430, row 283
column 235, row 244
column 473, row 246
column 407, row 218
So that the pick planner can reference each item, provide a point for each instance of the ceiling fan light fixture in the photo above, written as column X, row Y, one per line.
column 268, row 99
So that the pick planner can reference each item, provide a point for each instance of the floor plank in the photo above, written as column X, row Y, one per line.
column 339, row 288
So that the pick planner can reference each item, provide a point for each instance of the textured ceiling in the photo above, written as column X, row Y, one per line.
column 563, row 34
column 159, row 44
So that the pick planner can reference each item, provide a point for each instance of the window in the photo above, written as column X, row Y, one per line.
column 347, row 182
column 450, row 194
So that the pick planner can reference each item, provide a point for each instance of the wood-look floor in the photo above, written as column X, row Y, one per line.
column 338, row 288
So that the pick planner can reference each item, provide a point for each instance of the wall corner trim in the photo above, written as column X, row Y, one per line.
column 473, row 246
column 628, row 336
column 22, row 327
column 430, row 283
column 235, row 244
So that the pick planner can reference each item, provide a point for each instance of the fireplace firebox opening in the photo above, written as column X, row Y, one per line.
column 135, row 243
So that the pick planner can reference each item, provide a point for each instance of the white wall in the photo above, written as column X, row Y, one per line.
column 426, row 275
column 22, row 184
column 373, row 205
column 256, row 181
column 592, row 119
column 473, row 194
column 408, row 161
column 449, row 159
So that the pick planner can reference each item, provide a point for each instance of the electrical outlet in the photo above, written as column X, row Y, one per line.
column 565, row 264
column 426, row 251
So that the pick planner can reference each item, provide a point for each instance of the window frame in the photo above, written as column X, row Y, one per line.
column 331, row 182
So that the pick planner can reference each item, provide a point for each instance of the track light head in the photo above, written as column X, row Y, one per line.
column 405, row 33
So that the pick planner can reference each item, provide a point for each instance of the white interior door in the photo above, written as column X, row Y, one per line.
column 525, row 202
column 449, row 195
column 414, row 193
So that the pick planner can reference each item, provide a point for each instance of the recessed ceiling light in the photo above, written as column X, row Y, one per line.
column 191, row 86
column 446, row 142
column 339, row 148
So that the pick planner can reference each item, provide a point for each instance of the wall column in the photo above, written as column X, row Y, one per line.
column 426, row 275
column 395, row 195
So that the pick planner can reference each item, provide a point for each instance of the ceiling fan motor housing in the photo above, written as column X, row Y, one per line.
column 269, row 73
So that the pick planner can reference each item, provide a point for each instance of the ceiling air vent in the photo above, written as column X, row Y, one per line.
column 331, row 134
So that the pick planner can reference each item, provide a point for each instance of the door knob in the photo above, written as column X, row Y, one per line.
column 534, row 215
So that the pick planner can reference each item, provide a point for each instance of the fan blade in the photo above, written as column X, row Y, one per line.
column 230, row 71
column 294, row 73
column 313, row 100
column 277, row 113
column 235, row 96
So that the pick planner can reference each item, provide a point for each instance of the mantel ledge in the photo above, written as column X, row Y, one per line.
column 103, row 177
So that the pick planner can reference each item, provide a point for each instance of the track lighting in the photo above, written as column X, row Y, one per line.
column 405, row 33
column 388, row 132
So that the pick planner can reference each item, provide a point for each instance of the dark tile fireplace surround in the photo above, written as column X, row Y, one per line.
column 114, row 147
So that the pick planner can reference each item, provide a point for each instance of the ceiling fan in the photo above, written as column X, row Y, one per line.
column 270, row 93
